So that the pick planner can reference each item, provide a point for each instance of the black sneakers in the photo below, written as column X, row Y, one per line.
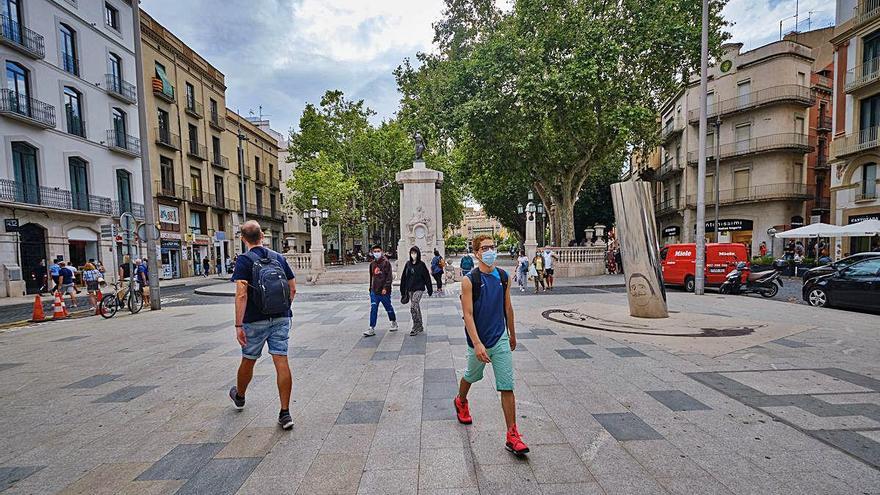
column 285, row 420
column 238, row 403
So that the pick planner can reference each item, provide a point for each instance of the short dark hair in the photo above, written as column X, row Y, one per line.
column 251, row 232
column 375, row 247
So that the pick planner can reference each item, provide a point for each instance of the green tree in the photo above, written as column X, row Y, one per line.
column 546, row 92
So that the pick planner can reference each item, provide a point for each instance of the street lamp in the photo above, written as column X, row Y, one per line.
column 772, row 233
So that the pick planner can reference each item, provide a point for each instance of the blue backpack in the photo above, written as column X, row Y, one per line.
column 467, row 263
column 269, row 283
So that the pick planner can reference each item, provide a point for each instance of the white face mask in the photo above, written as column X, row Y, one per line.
column 377, row 254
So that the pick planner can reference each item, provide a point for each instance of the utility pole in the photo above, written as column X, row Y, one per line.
column 242, row 137
column 146, row 171
column 717, row 172
column 700, row 268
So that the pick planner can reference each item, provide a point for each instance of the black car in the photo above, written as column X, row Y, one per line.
column 856, row 286
column 837, row 265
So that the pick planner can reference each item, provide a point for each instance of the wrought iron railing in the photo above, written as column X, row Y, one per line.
column 136, row 209
column 669, row 166
column 75, row 125
column 866, row 195
column 196, row 196
column 823, row 123
column 197, row 150
column 219, row 160
column 774, row 94
column 195, row 108
column 52, row 197
column 857, row 142
column 167, row 138
column 12, row 32
column 215, row 120
column 862, row 75
column 670, row 129
column 779, row 191
column 118, row 87
column 168, row 190
column 261, row 177
column 119, row 140
column 772, row 142
column 22, row 105
column 273, row 181
column 866, row 10
column 667, row 206
column 822, row 204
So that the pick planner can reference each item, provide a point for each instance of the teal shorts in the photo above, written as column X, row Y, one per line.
column 502, row 364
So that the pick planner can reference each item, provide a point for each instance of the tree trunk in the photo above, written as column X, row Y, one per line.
column 565, row 216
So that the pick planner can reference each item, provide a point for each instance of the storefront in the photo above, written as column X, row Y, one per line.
column 170, row 251
column 736, row 230
column 863, row 244
column 200, row 248
column 671, row 235
column 83, row 245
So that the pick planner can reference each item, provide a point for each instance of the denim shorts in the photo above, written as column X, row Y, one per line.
column 274, row 331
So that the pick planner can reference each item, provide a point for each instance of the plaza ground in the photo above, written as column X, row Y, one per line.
column 137, row 404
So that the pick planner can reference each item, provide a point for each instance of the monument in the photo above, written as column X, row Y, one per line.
column 637, row 235
column 421, row 216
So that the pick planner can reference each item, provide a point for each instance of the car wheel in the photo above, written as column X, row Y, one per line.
column 771, row 291
column 689, row 284
column 818, row 298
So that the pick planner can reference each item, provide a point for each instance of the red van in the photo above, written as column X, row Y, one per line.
column 678, row 262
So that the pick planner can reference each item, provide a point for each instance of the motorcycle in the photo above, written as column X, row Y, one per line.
column 766, row 283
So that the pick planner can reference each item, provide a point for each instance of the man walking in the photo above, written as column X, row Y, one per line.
column 143, row 279
column 438, row 266
column 206, row 267
column 380, row 290
column 54, row 270
column 65, row 277
column 549, row 256
column 264, row 289
column 491, row 337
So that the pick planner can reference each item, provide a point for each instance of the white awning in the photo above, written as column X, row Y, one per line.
column 865, row 228
column 812, row 230
column 81, row 234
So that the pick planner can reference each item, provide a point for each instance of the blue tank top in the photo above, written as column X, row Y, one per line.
column 489, row 314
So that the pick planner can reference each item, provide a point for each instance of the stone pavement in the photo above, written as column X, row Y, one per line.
column 137, row 405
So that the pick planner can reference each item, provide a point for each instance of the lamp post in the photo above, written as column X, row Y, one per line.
column 772, row 233
column 317, row 217
column 530, row 208
column 717, row 173
column 700, row 262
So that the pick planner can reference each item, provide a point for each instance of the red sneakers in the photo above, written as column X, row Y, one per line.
column 515, row 443
column 462, row 411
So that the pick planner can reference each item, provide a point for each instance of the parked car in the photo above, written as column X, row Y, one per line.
column 856, row 286
column 837, row 265
column 678, row 262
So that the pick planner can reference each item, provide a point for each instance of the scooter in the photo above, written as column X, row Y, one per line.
column 766, row 283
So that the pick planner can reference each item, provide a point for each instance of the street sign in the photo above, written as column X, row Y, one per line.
column 220, row 235
column 142, row 232
column 109, row 231
column 127, row 221
column 11, row 224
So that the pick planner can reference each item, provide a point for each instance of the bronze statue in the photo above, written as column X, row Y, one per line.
column 420, row 143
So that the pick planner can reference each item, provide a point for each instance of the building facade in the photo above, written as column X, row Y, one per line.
column 70, row 162
column 759, row 104
column 475, row 222
column 194, row 189
column 855, row 149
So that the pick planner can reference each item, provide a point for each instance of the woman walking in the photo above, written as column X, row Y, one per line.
column 91, row 275
column 538, row 264
column 438, row 266
column 414, row 281
column 522, row 270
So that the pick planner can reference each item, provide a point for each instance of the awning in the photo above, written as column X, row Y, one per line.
column 81, row 234
column 810, row 231
column 865, row 228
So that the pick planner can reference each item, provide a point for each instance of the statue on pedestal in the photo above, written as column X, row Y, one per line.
column 420, row 145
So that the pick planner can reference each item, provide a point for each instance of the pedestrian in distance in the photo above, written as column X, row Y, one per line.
column 143, row 279
column 538, row 276
column 491, row 337
column 91, row 277
column 380, row 290
column 762, row 249
column 438, row 266
column 466, row 264
column 264, row 290
column 522, row 270
column 125, row 269
column 54, row 270
column 549, row 257
column 40, row 274
column 68, row 285
column 206, row 267
column 414, row 281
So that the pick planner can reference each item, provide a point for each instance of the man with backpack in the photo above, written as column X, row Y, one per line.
column 264, row 288
column 438, row 266
column 491, row 337
column 380, row 290
column 466, row 264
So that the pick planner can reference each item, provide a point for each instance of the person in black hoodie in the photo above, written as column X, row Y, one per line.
column 413, row 283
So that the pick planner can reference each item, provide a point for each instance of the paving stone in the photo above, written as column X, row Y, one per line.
column 126, row 394
column 520, row 347
column 579, row 341
column 793, row 344
column 572, row 489
column 389, row 482
column 9, row 475
column 165, row 487
column 369, row 342
column 92, row 381
column 445, row 468
column 440, row 390
column 360, row 412
column 333, row 474
column 71, row 338
column 507, row 478
column 6, row 366
column 311, row 353
column 854, row 378
column 252, row 442
column 558, row 464
column 525, row 335
column 677, row 400
column 182, row 462
column 460, row 340
column 414, row 346
column 384, row 356
column 108, row 478
column 853, row 443
column 542, row 331
column 438, row 409
column 572, row 354
column 625, row 352
column 704, row 485
column 263, row 485
column 220, row 476
column 432, row 338
column 627, row 426
column 439, row 375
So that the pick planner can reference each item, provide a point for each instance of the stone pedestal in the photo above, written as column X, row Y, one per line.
column 317, row 248
column 421, row 216
column 531, row 243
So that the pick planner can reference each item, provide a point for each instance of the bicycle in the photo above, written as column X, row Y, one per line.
column 111, row 303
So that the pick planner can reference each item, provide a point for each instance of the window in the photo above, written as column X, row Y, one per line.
column 798, row 173
column 272, row 205
column 743, row 93
column 799, row 125
column 167, row 87
column 68, row 49
column 710, row 102
column 79, row 184
column 743, row 135
column 214, row 114
column 677, row 155
column 164, row 126
column 12, row 23
column 119, row 129
column 114, row 68
column 257, row 164
column 27, row 183
column 259, row 194
column 741, row 183
column 869, row 118
column 73, row 112
column 123, row 190
column 215, row 147
column 219, row 190
column 195, row 222
column 869, row 180
column 271, row 172
column 195, row 183
column 193, row 138
column 869, row 268
column 710, row 188
column 17, row 82
column 801, row 79
column 166, row 169
column 111, row 16
column 190, row 96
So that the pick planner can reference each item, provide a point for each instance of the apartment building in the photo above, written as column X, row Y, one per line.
column 855, row 150
column 69, row 125
column 261, row 178
column 189, row 153
column 759, row 102
column 475, row 222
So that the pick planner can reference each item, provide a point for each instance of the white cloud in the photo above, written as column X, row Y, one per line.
column 757, row 21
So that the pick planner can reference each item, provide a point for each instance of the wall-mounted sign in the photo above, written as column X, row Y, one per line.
column 729, row 225
column 861, row 218
column 169, row 214
column 671, row 231
column 11, row 224
column 170, row 235
column 726, row 66
column 170, row 244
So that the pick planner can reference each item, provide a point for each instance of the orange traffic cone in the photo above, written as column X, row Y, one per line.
column 58, row 311
column 38, row 309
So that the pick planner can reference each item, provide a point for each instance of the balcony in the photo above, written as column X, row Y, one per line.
column 273, row 182
column 195, row 109
column 167, row 139
column 855, row 143
column 197, row 151
column 169, row 190
column 821, row 205
column 822, row 163
column 668, row 168
column 219, row 160
column 216, row 122
column 27, row 110
column 666, row 207
column 766, row 192
column 786, row 93
column 197, row 196
column 796, row 143
column 866, row 196
column 823, row 123
column 670, row 130
column 51, row 197
column 75, row 125
column 161, row 92
column 823, row 82
column 21, row 39
column 260, row 177
column 120, row 207
column 120, row 89
column 862, row 75
column 866, row 10
column 123, row 143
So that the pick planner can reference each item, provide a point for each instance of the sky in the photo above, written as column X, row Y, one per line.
column 282, row 54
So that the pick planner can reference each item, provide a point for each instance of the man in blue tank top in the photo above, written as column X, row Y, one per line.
column 491, row 337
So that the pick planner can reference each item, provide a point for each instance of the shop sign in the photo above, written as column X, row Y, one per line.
column 201, row 241
column 170, row 244
column 861, row 218
column 671, row 231
column 219, row 235
column 170, row 235
column 729, row 225
column 169, row 214
column 11, row 224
